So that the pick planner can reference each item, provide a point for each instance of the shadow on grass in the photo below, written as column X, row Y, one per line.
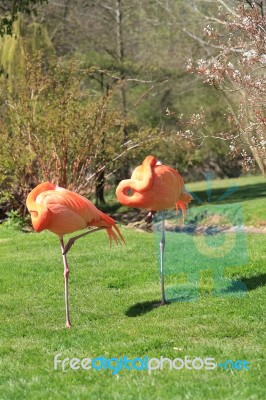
column 142, row 308
column 232, row 194
column 254, row 282
column 241, row 285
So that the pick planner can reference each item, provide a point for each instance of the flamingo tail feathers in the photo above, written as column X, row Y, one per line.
column 185, row 199
column 112, row 230
column 115, row 234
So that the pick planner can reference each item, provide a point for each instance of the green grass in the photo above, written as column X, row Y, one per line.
column 250, row 191
column 113, row 298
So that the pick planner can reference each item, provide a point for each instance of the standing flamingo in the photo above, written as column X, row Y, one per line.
column 155, row 187
column 62, row 211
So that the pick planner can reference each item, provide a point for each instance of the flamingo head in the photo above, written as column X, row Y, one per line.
column 37, row 209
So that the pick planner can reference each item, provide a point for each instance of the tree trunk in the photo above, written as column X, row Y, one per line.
column 261, row 162
column 99, row 188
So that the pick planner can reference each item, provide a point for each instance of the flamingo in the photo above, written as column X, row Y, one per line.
column 62, row 211
column 155, row 187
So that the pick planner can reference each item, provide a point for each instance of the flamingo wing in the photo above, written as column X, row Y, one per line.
column 69, row 211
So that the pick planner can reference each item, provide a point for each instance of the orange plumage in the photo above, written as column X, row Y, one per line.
column 154, row 187
column 62, row 211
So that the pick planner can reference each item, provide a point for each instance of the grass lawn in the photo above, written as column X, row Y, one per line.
column 113, row 304
column 250, row 191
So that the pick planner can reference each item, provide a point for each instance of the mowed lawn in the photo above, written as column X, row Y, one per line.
column 114, row 296
column 250, row 191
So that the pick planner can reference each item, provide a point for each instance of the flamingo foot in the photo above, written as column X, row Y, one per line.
column 68, row 324
column 72, row 240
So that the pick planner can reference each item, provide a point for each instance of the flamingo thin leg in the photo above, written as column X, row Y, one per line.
column 66, row 273
column 74, row 238
column 162, row 246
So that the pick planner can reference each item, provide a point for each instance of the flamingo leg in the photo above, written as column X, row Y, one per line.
column 150, row 216
column 162, row 246
column 74, row 238
column 66, row 273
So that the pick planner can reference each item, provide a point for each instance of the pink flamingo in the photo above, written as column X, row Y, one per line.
column 62, row 211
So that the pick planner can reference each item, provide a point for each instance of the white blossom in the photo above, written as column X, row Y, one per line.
column 250, row 54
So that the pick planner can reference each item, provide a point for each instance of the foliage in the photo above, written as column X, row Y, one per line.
column 238, row 70
column 144, row 46
column 55, row 129
column 117, row 103
column 14, row 220
column 34, row 37
column 139, row 52
column 10, row 10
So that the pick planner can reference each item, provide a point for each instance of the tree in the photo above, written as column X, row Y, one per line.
column 110, row 33
column 12, row 49
column 54, row 129
column 238, row 71
column 11, row 8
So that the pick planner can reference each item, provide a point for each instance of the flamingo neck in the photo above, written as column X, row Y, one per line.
column 39, row 213
column 124, row 198
column 42, row 187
